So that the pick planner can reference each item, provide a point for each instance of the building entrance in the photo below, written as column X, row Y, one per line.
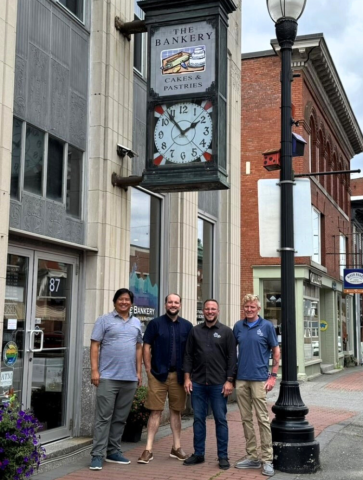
column 38, row 346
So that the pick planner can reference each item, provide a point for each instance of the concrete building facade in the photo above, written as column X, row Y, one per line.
column 73, row 89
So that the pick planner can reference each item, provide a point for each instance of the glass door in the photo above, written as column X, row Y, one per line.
column 42, row 295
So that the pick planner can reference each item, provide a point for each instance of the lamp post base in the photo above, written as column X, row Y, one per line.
column 296, row 457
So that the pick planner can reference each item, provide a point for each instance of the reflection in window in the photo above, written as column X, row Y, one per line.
column 33, row 168
column 272, row 305
column 15, row 158
column 342, row 254
column 74, row 6
column 145, row 254
column 138, row 40
column 311, row 322
column 74, row 179
column 15, row 313
column 55, row 169
column 316, row 235
column 205, row 265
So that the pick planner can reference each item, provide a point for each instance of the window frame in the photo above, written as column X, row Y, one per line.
column 212, row 224
column 139, row 15
column 82, row 20
column 316, row 257
column 43, row 193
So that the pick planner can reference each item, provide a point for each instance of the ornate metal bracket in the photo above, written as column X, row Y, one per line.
column 125, row 182
column 130, row 28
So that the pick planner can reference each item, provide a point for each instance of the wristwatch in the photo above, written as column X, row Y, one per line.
column 230, row 379
column 273, row 374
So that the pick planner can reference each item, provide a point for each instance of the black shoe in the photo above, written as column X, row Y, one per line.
column 194, row 460
column 223, row 463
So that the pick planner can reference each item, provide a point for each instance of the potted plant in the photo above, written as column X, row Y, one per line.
column 138, row 417
column 20, row 449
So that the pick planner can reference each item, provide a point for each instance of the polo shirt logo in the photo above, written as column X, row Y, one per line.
column 216, row 335
column 259, row 332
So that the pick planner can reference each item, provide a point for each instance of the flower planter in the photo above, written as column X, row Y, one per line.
column 132, row 432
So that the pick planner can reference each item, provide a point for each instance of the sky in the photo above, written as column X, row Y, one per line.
column 341, row 22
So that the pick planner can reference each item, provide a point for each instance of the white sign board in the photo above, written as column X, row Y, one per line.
column 269, row 215
column 6, row 379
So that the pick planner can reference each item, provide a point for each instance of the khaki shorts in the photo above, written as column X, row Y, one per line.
column 157, row 391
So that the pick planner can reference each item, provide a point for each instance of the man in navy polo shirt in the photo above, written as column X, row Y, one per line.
column 256, row 338
column 163, row 352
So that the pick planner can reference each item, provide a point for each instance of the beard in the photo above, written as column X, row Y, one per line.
column 172, row 314
column 211, row 320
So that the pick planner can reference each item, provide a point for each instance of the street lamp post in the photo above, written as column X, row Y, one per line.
column 295, row 449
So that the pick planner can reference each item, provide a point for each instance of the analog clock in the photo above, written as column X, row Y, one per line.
column 183, row 133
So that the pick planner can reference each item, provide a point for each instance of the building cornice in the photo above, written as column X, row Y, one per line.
column 310, row 52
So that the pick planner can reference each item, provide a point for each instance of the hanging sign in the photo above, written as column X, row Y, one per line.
column 353, row 280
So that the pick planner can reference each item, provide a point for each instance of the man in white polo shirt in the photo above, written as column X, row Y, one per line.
column 116, row 356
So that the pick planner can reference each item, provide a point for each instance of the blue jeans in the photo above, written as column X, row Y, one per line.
column 202, row 395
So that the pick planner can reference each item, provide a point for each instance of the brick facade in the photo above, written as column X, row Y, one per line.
column 261, row 131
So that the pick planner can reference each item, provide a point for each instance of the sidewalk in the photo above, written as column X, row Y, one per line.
column 335, row 405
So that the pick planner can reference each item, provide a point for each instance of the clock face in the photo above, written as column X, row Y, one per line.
column 183, row 133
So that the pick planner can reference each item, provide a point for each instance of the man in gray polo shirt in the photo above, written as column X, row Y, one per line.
column 116, row 355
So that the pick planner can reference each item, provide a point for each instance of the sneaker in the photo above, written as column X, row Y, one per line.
column 146, row 457
column 178, row 454
column 117, row 458
column 247, row 463
column 268, row 469
column 194, row 460
column 96, row 463
column 223, row 463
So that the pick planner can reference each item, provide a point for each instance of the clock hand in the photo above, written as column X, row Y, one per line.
column 192, row 125
column 172, row 118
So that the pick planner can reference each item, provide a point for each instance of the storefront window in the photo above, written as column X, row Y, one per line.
column 272, row 303
column 205, row 265
column 145, row 254
column 311, row 322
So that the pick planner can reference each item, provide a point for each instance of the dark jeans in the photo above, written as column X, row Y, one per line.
column 202, row 395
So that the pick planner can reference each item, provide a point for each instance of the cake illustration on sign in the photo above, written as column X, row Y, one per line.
column 188, row 60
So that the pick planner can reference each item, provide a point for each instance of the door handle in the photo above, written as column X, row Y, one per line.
column 32, row 335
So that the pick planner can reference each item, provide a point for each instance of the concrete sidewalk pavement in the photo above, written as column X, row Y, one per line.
column 335, row 410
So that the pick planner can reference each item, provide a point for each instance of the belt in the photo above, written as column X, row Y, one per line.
column 172, row 369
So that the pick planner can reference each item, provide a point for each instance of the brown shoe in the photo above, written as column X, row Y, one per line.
column 146, row 457
column 178, row 454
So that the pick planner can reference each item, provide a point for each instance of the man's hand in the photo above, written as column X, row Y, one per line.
column 270, row 383
column 95, row 378
column 188, row 386
column 227, row 388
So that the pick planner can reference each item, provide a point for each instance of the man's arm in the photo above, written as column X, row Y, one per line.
column 188, row 363
column 146, row 351
column 231, row 364
column 139, row 363
column 94, row 353
column 270, row 383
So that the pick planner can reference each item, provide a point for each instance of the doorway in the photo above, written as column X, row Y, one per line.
column 38, row 360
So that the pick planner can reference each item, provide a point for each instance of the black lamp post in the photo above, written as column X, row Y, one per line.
column 295, row 449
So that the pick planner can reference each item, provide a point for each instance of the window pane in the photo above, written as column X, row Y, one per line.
column 205, row 265
column 74, row 181
column 55, row 169
column 75, row 6
column 15, row 159
column 145, row 254
column 34, row 151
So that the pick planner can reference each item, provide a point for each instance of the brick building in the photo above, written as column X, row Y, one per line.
column 325, row 316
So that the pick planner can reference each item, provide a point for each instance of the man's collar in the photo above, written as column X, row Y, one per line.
column 171, row 320
column 255, row 321
column 116, row 314
column 216, row 325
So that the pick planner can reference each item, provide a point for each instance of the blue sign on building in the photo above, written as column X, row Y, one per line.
column 353, row 280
